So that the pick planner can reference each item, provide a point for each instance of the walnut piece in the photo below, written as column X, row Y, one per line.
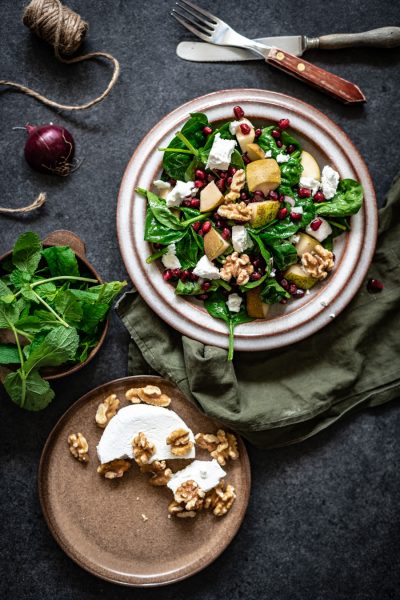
column 107, row 410
column 238, row 181
column 177, row 509
column 151, row 394
column 160, row 473
column 222, row 446
column 143, row 450
column 78, row 447
column 318, row 262
column 189, row 495
column 236, row 211
column 219, row 500
column 179, row 442
column 115, row 468
column 238, row 266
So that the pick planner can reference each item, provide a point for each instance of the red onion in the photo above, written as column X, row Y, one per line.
column 50, row 149
column 289, row 200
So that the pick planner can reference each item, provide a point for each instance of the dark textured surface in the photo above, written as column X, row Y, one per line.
column 323, row 520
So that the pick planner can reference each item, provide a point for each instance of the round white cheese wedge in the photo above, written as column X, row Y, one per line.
column 206, row 473
column 154, row 421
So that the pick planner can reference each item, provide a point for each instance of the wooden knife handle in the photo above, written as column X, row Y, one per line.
column 327, row 82
column 384, row 37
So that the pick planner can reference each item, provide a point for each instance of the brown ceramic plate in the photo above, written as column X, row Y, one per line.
column 99, row 523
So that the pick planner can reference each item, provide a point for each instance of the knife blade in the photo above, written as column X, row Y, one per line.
column 203, row 52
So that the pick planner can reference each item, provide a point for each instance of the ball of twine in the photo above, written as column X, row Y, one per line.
column 65, row 30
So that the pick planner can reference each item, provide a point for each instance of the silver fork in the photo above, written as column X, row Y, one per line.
column 210, row 28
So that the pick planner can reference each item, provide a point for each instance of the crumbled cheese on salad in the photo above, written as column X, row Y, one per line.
column 181, row 190
column 220, row 153
column 206, row 269
column 161, row 185
column 234, row 302
column 233, row 125
column 241, row 240
column 282, row 158
column 268, row 154
column 170, row 260
column 310, row 184
column 329, row 182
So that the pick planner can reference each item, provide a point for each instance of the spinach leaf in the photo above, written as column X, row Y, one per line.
column 237, row 160
column 291, row 172
column 32, row 392
column 288, row 139
column 161, row 212
column 253, row 284
column 263, row 251
column 346, row 202
column 188, row 288
column 160, row 234
column 175, row 164
column 267, row 142
column 61, row 260
column 273, row 292
column 9, row 354
column 58, row 346
column 188, row 250
column 27, row 252
column 284, row 254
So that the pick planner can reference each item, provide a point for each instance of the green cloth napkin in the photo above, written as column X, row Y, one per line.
column 283, row 396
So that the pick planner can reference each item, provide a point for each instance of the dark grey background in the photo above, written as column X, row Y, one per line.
column 323, row 520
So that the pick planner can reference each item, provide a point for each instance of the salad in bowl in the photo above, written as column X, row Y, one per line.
column 243, row 218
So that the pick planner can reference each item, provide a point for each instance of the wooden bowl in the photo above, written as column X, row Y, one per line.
column 62, row 237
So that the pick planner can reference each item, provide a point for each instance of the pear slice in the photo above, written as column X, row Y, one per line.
column 305, row 244
column 214, row 244
column 263, row 175
column 310, row 166
column 245, row 139
column 210, row 197
column 299, row 276
column 263, row 212
column 256, row 308
column 255, row 152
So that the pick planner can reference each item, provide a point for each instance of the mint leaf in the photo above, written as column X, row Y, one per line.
column 9, row 354
column 35, row 395
column 68, row 307
column 59, row 346
column 107, row 291
column 61, row 261
column 27, row 252
column 9, row 313
column 93, row 314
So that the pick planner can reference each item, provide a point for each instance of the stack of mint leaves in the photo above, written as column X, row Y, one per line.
column 54, row 312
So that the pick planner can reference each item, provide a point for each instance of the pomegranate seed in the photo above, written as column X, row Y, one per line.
column 375, row 285
column 157, row 246
column 281, row 198
column 295, row 216
column 176, row 273
column 193, row 277
column 206, row 227
column 244, row 128
column 299, row 293
column 167, row 275
column 255, row 276
column 257, row 133
column 238, row 112
column 206, row 286
column 226, row 234
column 283, row 301
column 292, row 289
column 284, row 284
column 195, row 203
column 256, row 263
column 172, row 182
column 200, row 174
column 259, row 194
column 284, row 123
column 290, row 149
column 319, row 197
column 279, row 143
column 282, row 213
column 220, row 184
column 184, row 275
column 316, row 224
column 246, row 159
column 229, row 181
column 232, row 170
column 196, row 226
column 218, row 224
column 273, row 195
column 223, row 174
column 210, row 178
column 198, row 183
column 276, row 134
column 186, row 203
column 244, row 196
column 304, row 193
column 207, row 130
column 203, row 297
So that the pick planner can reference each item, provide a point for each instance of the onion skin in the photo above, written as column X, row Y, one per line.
column 50, row 149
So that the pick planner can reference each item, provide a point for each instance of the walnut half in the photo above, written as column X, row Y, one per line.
column 222, row 446
column 318, row 262
column 220, row 500
column 107, row 410
column 161, row 474
column 238, row 266
column 150, row 394
column 78, row 447
column 238, row 181
column 143, row 450
column 237, row 211
column 115, row 468
column 179, row 442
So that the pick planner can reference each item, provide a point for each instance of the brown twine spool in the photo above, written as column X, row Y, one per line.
column 65, row 30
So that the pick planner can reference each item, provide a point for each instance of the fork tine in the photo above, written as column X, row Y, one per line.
column 199, row 20
column 202, row 11
column 185, row 23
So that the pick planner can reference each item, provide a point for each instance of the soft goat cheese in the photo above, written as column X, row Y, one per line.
column 282, row 158
column 220, row 153
column 181, row 190
column 206, row 473
column 241, row 240
column 206, row 269
column 233, row 126
column 170, row 260
column 310, row 184
column 161, row 185
column 234, row 302
column 323, row 231
column 154, row 421
column 329, row 182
